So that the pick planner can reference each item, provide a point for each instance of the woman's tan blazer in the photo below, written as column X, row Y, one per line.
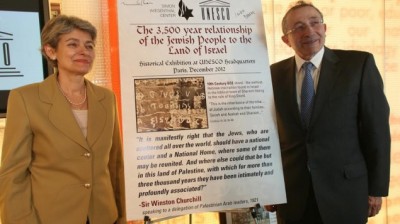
column 49, row 172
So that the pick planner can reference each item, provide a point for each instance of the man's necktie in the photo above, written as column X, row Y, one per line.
column 307, row 93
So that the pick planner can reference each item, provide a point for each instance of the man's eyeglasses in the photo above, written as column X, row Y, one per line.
column 301, row 27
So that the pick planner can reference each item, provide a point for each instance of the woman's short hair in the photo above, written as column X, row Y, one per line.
column 63, row 24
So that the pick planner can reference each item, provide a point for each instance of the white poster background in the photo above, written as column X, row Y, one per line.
column 197, row 108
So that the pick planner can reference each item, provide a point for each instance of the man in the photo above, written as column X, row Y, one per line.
column 336, row 155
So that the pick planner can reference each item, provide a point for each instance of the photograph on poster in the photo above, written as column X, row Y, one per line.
column 169, row 104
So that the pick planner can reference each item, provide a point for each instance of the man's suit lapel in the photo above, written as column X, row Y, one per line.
column 289, row 96
column 60, row 114
column 328, row 75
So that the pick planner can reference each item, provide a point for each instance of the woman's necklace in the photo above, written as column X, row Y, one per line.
column 69, row 100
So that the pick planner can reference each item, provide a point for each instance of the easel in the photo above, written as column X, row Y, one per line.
column 147, row 219
column 256, row 212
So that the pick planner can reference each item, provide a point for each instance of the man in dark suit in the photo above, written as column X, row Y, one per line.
column 335, row 143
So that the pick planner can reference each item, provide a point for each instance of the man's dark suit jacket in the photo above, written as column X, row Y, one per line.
column 345, row 153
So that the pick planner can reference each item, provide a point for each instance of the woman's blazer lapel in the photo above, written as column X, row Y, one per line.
column 97, row 115
column 60, row 114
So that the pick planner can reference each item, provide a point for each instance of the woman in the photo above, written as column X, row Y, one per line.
column 62, row 157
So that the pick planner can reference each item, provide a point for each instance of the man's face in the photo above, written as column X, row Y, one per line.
column 305, row 32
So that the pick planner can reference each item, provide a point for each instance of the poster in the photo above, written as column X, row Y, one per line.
column 198, row 113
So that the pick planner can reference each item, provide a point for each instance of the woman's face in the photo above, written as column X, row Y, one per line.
column 74, row 53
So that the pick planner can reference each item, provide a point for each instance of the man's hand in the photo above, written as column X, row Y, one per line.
column 374, row 205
